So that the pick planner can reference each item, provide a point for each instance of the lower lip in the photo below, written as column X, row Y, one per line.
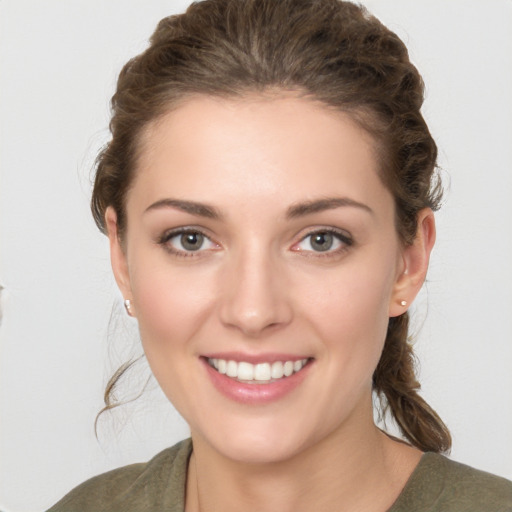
column 255, row 394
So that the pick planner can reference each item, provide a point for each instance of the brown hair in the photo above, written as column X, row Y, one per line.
column 332, row 51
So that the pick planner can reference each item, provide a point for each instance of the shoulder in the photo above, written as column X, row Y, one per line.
column 441, row 484
column 154, row 485
column 475, row 489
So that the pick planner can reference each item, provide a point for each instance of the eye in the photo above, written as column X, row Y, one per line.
column 327, row 241
column 185, row 242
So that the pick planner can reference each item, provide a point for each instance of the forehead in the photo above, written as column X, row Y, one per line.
column 256, row 146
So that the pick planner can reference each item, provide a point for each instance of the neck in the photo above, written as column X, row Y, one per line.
column 362, row 470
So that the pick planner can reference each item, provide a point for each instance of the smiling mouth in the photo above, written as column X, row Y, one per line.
column 261, row 373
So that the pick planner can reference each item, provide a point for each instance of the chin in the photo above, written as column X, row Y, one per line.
column 258, row 445
column 260, row 451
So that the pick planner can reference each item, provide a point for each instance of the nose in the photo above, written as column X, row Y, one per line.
column 255, row 298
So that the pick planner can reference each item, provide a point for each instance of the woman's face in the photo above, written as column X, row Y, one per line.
column 261, row 241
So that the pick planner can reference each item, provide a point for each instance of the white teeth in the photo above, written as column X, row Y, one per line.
column 288, row 368
column 277, row 370
column 232, row 369
column 261, row 372
column 245, row 371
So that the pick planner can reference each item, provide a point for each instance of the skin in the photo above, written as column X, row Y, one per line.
column 257, row 286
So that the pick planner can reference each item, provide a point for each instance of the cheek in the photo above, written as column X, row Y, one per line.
column 351, row 315
column 171, row 304
column 171, row 307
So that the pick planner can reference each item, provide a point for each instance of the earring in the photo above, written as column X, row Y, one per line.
column 128, row 307
column 403, row 303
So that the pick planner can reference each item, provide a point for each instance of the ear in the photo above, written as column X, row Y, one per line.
column 415, row 258
column 117, row 254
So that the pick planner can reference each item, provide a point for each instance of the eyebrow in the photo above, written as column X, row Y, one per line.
column 192, row 207
column 320, row 205
column 294, row 211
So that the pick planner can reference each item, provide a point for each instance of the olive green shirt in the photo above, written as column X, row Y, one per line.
column 436, row 485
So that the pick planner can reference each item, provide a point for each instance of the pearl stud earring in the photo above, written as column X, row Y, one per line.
column 128, row 307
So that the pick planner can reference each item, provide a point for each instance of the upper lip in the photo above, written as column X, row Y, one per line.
column 255, row 358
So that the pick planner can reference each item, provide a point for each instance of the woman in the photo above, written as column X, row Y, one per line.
column 268, row 195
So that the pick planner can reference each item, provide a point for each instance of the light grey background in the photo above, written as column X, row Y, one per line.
column 58, row 65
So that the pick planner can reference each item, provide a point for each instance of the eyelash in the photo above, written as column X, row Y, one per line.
column 169, row 235
column 341, row 236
